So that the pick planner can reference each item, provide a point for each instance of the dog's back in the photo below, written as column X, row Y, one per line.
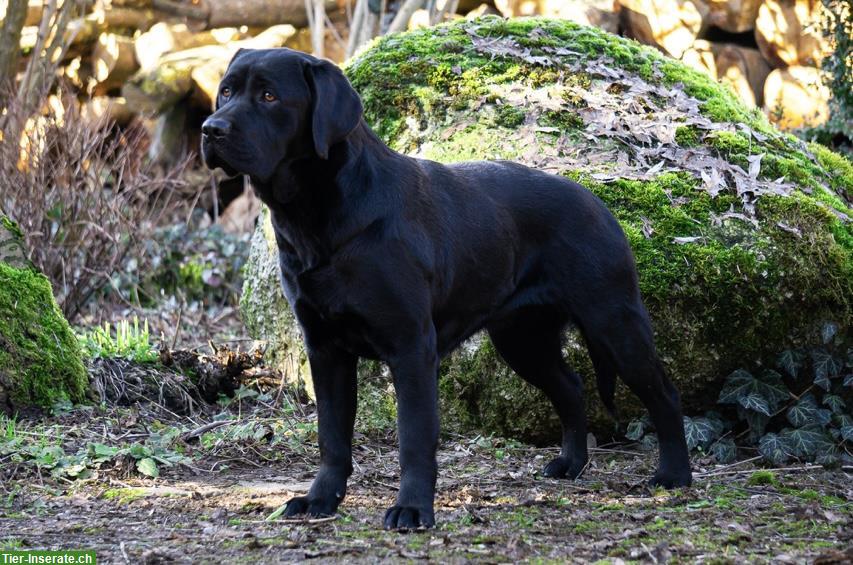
column 533, row 237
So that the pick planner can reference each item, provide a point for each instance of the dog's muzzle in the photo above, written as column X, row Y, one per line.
column 214, row 131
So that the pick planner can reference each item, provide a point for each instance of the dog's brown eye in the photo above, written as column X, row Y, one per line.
column 225, row 92
column 269, row 96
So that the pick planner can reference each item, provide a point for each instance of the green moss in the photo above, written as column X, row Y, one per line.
column 11, row 227
column 687, row 136
column 40, row 360
column 730, row 144
column 474, row 141
column 761, row 478
column 444, row 59
column 840, row 168
column 510, row 116
column 125, row 495
column 562, row 120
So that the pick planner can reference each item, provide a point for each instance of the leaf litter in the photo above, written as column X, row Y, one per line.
column 629, row 126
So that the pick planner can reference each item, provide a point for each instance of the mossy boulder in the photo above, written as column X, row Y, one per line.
column 266, row 313
column 40, row 359
column 742, row 234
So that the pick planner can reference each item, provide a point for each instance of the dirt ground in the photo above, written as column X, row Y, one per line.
column 492, row 504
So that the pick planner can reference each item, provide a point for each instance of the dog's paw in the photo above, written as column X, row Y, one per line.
column 315, row 508
column 671, row 479
column 405, row 518
column 563, row 468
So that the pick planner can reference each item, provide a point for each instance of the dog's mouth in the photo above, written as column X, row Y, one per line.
column 214, row 158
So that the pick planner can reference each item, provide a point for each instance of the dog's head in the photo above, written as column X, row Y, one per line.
column 276, row 105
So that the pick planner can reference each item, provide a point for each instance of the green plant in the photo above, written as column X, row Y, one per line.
column 44, row 450
column 200, row 265
column 838, row 65
column 798, row 412
column 705, row 434
column 129, row 340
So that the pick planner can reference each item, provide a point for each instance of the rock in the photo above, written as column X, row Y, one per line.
column 741, row 233
column 40, row 361
column 265, row 311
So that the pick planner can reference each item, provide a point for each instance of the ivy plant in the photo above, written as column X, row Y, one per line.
column 799, row 410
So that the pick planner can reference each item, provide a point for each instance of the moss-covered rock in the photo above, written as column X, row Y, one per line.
column 40, row 360
column 265, row 311
column 742, row 234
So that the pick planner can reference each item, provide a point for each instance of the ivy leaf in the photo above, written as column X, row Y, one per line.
column 828, row 332
column 835, row 403
column 736, row 385
column 774, row 448
column 724, row 450
column 649, row 442
column 148, row 467
column 827, row 458
column 635, row 430
column 825, row 367
column 699, row 432
column 771, row 386
column 806, row 411
column 717, row 421
column 790, row 361
column 757, row 422
column 754, row 401
column 762, row 394
column 807, row 441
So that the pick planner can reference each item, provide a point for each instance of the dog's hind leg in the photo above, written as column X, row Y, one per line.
column 531, row 346
column 621, row 341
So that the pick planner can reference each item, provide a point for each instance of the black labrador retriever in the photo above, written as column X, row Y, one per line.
column 388, row 257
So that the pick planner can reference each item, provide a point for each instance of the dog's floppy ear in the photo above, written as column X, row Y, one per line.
column 336, row 108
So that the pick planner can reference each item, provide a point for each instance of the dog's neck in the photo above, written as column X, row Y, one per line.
column 315, row 202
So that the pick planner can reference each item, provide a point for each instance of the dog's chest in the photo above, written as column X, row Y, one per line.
column 323, row 306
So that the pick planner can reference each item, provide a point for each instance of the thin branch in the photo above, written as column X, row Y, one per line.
column 401, row 20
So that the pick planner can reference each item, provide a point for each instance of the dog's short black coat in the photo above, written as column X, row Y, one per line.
column 388, row 257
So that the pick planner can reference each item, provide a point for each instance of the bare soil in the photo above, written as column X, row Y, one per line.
column 492, row 504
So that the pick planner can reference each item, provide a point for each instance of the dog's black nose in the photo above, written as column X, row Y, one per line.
column 215, row 127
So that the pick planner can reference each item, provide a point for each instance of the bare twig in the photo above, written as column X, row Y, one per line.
column 775, row 470
column 316, row 11
column 401, row 20
column 726, row 469
column 201, row 430
column 359, row 21
column 82, row 198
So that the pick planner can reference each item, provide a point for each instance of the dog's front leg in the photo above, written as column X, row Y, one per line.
column 416, row 382
column 334, row 375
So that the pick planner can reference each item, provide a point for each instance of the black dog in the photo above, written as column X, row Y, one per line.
column 399, row 259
